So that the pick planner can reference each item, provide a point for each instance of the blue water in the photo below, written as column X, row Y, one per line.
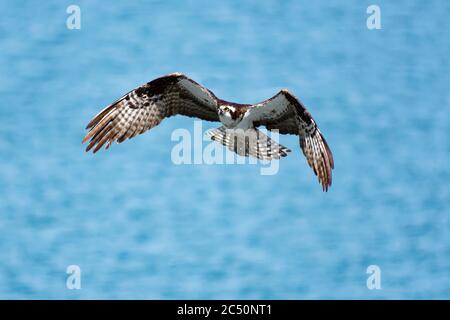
column 139, row 226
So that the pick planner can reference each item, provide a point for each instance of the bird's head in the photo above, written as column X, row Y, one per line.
column 229, row 115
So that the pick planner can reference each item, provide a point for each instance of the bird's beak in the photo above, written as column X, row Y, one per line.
column 220, row 112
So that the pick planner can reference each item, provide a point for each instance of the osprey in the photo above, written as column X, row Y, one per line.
column 176, row 94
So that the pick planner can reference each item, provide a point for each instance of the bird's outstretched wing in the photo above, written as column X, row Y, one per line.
column 146, row 106
column 284, row 112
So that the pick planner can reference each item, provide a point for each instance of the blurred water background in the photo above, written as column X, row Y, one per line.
column 140, row 227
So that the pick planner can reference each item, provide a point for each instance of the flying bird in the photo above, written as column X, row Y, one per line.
column 176, row 94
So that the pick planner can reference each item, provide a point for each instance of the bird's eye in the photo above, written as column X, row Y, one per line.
column 226, row 109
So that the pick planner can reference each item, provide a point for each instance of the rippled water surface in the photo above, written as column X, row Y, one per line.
column 141, row 227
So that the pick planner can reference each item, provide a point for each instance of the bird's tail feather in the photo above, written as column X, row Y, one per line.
column 250, row 142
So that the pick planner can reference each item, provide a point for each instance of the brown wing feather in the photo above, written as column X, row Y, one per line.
column 146, row 106
column 288, row 126
column 313, row 144
column 287, row 114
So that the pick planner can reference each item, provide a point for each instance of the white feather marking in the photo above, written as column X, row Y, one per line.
column 269, row 109
column 198, row 92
